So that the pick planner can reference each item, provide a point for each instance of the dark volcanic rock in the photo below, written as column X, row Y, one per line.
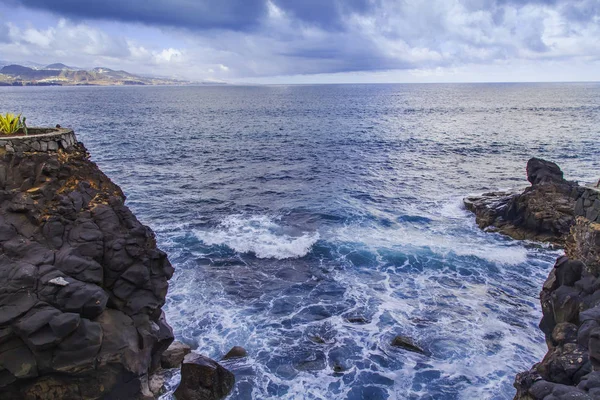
column 407, row 343
column 203, row 379
column 571, row 322
column 541, row 171
column 82, row 282
column 545, row 211
column 556, row 210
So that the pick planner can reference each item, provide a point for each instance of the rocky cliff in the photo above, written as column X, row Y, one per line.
column 82, row 282
column 562, row 212
column 543, row 212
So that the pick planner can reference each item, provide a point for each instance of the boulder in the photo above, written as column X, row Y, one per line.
column 203, row 379
column 174, row 355
column 541, row 171
column 235, row 352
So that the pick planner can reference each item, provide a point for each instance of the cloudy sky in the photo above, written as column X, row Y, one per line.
column 303, row 41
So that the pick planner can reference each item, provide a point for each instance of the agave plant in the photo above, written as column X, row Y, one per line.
column 11, row 123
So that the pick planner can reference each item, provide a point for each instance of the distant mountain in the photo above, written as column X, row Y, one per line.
column 63, row 75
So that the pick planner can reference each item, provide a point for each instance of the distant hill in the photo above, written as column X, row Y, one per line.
column 26, row 72
column 59, row 66
column 61, row 74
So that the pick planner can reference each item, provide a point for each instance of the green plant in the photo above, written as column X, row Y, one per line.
column 11, row 123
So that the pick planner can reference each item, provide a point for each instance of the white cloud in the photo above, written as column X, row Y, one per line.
column 427, row 39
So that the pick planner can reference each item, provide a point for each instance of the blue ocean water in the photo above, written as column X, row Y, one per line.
column 312, row 224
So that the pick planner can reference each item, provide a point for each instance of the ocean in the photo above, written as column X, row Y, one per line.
column 313, row 224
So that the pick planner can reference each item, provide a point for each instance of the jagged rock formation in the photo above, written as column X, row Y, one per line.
column 556, row 210
column 543, row 212
column 82, row 282
column 571, row 323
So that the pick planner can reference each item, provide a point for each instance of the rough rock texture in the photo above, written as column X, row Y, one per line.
column 203, row 379
column 174, row 355
column 556, row 210
column 543, row 212
column 571, row 323
column 82, row 282
column 584, row 244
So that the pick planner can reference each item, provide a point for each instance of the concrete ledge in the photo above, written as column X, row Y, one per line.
column 39, row 139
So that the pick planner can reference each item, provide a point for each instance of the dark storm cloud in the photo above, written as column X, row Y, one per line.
column 327, row 14
column 236, row 15
column 247, row 15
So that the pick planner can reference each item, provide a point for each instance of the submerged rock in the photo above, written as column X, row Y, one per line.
column 82, row 282
column 357, row 319
column 407, row 343
column 203, row 379
column 317, row 339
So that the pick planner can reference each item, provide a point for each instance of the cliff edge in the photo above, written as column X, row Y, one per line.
column 82, row 281
column 562, row 212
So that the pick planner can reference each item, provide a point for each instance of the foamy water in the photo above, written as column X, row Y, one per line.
column 312, row 224
column 258, row 235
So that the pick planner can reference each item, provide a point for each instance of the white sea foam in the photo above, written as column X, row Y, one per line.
column 439, row 242
column 260, row 235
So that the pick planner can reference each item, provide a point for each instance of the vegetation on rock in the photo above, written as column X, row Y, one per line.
column 11, row 123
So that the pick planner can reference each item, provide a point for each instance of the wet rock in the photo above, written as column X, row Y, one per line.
column 317, row 339
column 203, row 379
column 338, row 368
column 174, row 355
column 314, row 362
column 357, row 319
column 407, row 343
column 235, row 352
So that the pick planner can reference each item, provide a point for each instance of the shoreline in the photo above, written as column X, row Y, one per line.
column 561, row 212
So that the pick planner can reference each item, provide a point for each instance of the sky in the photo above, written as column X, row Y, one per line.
column 312, row 41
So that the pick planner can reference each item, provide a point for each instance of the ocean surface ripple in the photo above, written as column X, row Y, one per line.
column 312, row 224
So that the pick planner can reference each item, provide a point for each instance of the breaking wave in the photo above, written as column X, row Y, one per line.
column 260, row 235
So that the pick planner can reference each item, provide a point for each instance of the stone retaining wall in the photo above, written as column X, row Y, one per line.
column 47, row 141
column 588, row 205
